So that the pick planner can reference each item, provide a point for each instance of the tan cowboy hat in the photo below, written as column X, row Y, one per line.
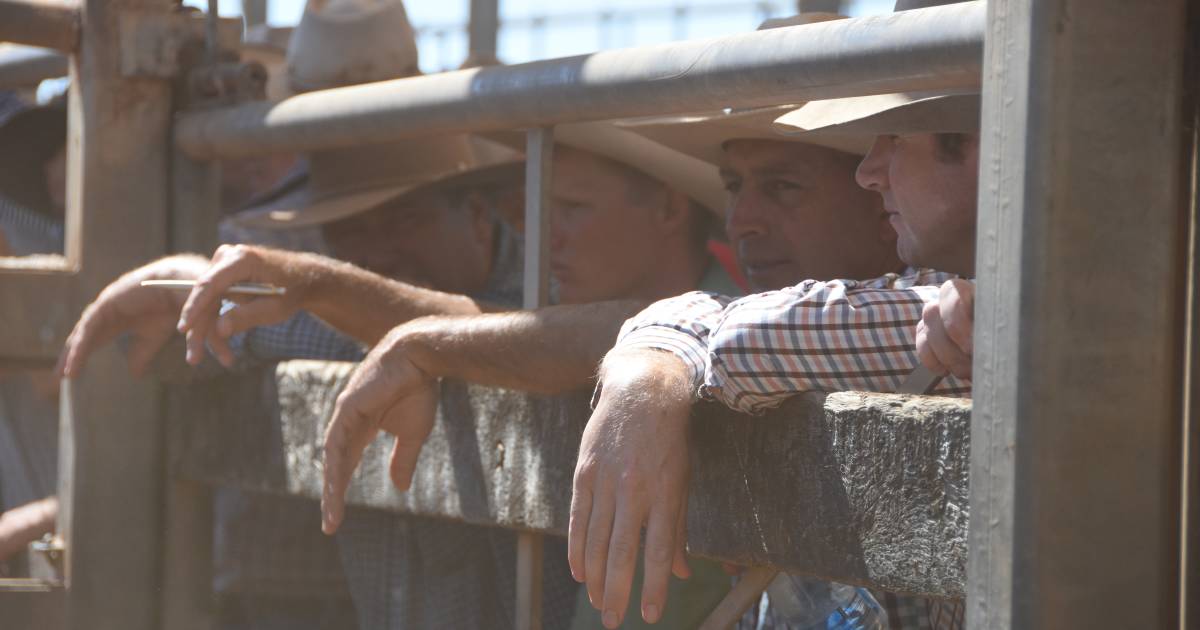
column 346, row 182
column 704, row 135
column 942, row 111
column 695, row 178
column 348, row 42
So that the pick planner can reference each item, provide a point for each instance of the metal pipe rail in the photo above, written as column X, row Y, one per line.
column 47, row 23
column 939, row 47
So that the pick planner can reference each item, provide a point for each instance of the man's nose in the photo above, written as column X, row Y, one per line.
column 746, row 217
column 872, row 170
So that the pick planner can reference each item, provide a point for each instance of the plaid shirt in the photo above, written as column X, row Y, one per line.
column 754, row 352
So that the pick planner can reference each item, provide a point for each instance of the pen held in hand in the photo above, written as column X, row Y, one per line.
column 241, row 288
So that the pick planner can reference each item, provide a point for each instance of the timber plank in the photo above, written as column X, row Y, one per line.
column 861, row 488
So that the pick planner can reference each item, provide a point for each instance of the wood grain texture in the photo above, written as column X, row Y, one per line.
column 861, row 488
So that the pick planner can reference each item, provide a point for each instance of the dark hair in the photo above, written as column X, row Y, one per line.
column 951, row 147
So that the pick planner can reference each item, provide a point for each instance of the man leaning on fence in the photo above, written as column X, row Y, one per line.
column 844, row 335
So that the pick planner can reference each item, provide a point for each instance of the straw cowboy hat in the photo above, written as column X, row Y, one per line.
column 361, row 41
column 348, row 42
column 30, row 136
column 943, row 111
column 703, row 136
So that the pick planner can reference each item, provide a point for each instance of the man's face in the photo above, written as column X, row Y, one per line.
column 795, row 213
column 604, row 236
column 929, row 194
column 421, row 240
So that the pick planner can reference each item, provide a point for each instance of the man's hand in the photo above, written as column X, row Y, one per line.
column 945, row 334
column 388, row 392
column 632, row 473
column 148, row 313
column 25, row 524
column 201, row 320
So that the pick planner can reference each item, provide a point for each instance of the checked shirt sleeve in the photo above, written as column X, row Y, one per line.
column 840, row 335
column 679, row 325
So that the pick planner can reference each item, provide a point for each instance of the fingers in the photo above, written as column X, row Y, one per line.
column 96, row 327
column 957, row 305
column 679, row 566
column 925, row 351
column 622, row 559
column 595, row 556
column 581, row 510
column 348, row 435
column 932, row 339
column 661, row 553
column 197, row 318
column 404, row 462
column 263, row 311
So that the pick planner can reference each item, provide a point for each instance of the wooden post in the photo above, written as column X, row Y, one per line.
column 111, row 482
column 1081, row 264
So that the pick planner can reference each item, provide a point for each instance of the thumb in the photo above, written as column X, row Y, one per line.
column 243, row 317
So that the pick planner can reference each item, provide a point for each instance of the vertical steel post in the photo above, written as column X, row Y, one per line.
column 1081, row 265
column 483, row 32
column 254, row 12
column 1189, row 584
column 539, row 169
column 111, row 482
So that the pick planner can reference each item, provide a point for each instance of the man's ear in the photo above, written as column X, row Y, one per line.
column 674, row 215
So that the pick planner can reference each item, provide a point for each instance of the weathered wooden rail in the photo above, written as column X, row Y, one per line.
column 862, row 488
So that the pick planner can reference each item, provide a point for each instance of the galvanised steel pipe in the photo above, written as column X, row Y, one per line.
column 938, row 47
column 25, row 66
column 47, row 23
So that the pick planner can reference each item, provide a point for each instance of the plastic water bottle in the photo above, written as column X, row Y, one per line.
column 800, row 603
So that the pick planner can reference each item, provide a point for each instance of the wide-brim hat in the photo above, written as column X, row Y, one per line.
column 346, row 182
column 942, row 111
column 30, row 135
column 349, row 42
column 906, row 112
column 697, row 179
column 704, row 135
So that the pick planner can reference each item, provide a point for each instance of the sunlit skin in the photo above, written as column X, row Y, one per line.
column 929, row 198
column 421, row 240
column 613, row 240
column 796, row 212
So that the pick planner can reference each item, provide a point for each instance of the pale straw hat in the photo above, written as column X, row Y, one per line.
column 943, row 111
column 703, row 136
column 693, row 177
column 346, row 42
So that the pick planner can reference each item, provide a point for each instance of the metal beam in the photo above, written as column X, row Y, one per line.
column 482, row 32
column 26, row 66
column 1081, row 263
column 47, row 23
column 921, row 49
column 860, row 488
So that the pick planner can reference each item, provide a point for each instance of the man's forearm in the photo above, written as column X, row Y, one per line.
column 549, row 350
column 366, row 306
